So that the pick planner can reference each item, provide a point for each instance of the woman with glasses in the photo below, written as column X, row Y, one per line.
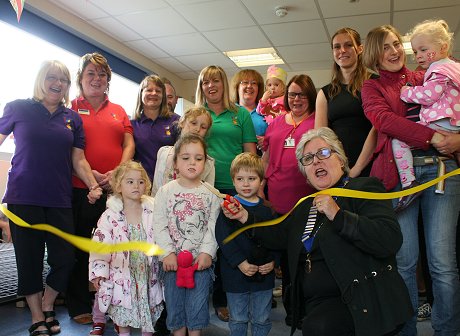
column 339, row 104
column 50, row 147
column 109, row 142
column 341, row 249
column 246, row 89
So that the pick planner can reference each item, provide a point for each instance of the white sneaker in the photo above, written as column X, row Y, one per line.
column 424, row 312
column 278, row 291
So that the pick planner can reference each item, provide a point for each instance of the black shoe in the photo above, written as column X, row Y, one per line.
column 405, row 201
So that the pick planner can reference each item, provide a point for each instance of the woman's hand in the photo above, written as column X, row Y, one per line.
column 449, row 143
column 94, row 195
column 247, row 268
column 326, row 205
column 97, row 282
column 170, row 262
column 267, row 268
column 105, row 183
column 204, row 261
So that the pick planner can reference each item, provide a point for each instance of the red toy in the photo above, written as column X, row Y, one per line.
column 185, row 270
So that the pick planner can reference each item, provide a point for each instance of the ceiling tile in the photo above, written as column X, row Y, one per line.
column 186, row 44
column 406, row 20
column 264, row 10
column 81, row 8
column 130, row 6
column 230, row 39
column 295, row 33
column 362, row 23
column 189, row 75
column 147, row 48
column 331, row 8
column 157, row 23
column 113, row 27
column 227, row 14
column 419, row 4
column 198, row 62
column 306, row 53
column 172, row 64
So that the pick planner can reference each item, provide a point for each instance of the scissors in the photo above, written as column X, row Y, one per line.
column 227, row 198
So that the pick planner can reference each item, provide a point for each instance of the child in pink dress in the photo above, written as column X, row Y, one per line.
column 439, row 96
column 271, row 104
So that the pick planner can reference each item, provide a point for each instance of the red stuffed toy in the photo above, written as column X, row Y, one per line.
column 185, row 270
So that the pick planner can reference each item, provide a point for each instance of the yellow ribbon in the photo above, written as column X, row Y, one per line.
column 347, row 193
column 87, row 244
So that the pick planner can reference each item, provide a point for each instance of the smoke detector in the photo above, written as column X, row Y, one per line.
column 281, row 11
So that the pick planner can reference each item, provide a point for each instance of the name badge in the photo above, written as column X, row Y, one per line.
column 289, row 142
column 83, row 111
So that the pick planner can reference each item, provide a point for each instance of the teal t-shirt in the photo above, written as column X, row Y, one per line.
column 229, row 131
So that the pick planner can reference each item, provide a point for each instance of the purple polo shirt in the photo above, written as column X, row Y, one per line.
column 149, row 136
column 41, row 166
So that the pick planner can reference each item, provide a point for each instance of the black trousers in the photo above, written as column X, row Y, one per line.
column 86, row 216
column 29, row 247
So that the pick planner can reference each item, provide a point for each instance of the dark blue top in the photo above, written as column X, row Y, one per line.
column 149, row 136
column 242, row 248
column 41, row 166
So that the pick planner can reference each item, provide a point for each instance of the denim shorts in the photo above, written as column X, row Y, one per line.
column 188, row 307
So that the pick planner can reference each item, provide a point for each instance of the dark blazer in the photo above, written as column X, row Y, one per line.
column 359, row 248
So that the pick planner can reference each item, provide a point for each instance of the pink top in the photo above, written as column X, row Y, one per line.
column 271, row 109
column 440, row 93
column 286, row 185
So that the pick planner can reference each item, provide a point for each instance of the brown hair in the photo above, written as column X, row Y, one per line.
column 307, row 86
column 164, row 110
column 188, row 139
column 359, row 75
column 375, row 41
column 99, row 61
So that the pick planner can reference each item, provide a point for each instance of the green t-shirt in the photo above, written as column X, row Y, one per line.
column 229, row 131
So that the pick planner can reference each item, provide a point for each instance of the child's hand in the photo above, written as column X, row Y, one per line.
column 170, row 262
column 404, row 88
column 204, row 261
column 232, row 211
column 94, row 195
column 267, row 268
column 247, row 268
column 96, row 282
column 267, row 94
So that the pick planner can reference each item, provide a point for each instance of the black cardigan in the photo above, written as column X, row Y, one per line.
column 359, row 248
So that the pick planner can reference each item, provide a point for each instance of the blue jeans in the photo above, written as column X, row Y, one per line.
column 188, row 307
column 440, row 214
column 253, row 307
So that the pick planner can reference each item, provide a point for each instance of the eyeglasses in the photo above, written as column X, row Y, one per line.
column 248, row 83
column 53, row 79
column 321, row 154
column 293, row 95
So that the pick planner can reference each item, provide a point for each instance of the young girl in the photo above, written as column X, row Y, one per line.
column 271, row 104
column 127, row 283
column 195, row 120
column 438, row 96
column 185, row 215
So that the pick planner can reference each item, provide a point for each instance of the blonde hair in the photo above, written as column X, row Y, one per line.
column 193, row 113
column 328, row 135
column 164, row 110
column 208, row 73
column 120, row 172
column 437, row 30
column 242, row 75
column 247, row 161
column 39, row 86
column 375, row 40
column 358, row 76
column 97, row 60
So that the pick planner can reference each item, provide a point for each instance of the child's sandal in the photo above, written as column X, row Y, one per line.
column 34, row 332
column 52, row 324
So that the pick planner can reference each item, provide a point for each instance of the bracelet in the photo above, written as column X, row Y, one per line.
column 94, row 187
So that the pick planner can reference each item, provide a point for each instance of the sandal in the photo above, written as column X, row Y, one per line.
column 34, row 332
column 98, row 329
column 52, row 324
